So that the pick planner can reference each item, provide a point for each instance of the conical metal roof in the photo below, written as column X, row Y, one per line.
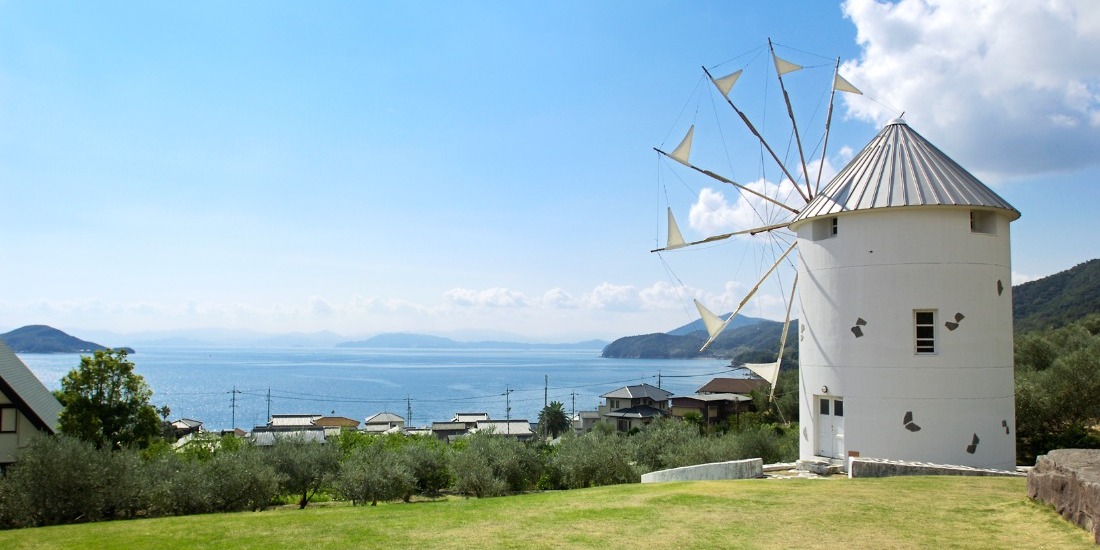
column 899, row 168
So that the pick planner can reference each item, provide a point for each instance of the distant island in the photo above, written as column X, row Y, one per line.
column 46, row 339
column 404, row 340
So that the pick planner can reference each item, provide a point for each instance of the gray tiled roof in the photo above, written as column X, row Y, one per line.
column 27, row 392
column 899, row 168
column 641, row 390
column 383, row 418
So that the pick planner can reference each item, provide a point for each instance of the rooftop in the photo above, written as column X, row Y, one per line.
column 639, row 391
column 899, row 168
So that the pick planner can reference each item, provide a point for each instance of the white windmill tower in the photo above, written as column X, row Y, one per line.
column 905, row 344
column 904, row 286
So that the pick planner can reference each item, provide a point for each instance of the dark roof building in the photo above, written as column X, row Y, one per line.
column 27, row 408
column 742, row 386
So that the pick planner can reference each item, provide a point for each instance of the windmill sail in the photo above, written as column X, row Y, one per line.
column 675, row 239
column 683, row 150
column 725, row 84
column 712, row 322
column 767, row 371
column 842, row 85
column 783, row 66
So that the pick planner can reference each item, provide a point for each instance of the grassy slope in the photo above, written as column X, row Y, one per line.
column 929, row 512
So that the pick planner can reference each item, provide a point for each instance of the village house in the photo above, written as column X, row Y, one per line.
column 27, row 408
column 297, row 426
column 384, row 422
column 718, row 399
column 338, row 422
column 186, row 426
column 632, row 407
column 519, row 429
column 584, row 421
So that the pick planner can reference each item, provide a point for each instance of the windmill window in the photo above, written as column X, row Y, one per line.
column 982, row 221
column 825, row 228
column 924, row 322
column 7, row 419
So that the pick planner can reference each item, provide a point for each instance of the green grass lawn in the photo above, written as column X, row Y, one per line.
column 903, row 512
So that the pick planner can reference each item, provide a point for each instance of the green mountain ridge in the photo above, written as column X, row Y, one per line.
column 46, row 339
column 1057, row 300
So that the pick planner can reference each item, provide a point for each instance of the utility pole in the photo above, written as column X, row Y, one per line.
column 658, row 379
column 233, row 400
column 508, row 410
column 545, row 389
column 408, row 411
column 268, row 404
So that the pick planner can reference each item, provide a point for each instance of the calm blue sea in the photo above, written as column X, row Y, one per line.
column 357, row 383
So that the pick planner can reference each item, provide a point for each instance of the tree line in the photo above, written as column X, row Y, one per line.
column 64, row 479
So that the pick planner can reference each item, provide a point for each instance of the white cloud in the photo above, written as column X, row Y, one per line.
column 320, row 307
column 1006, row 88
column 559, row 298
column 712, row 214
column 1020, row 278
column 613, row 297
column 492, row 297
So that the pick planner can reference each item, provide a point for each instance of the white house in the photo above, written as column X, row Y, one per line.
column 905, row 344
column 27, row 408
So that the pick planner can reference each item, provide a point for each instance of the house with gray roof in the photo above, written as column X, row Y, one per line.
column 27, row 408
column 384, row 422
column 631, row 407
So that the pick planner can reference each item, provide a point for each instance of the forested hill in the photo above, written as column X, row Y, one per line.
column 753, row 343
column 44, row 339
column 1057, row 300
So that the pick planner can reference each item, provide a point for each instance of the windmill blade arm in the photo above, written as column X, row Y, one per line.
column 729, row 181
column 747, row 298
column 783, row 337
column 724, row 236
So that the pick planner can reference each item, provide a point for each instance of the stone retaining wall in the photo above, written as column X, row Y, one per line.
column 734, row 469
column 877, row 467
column 1069, row 479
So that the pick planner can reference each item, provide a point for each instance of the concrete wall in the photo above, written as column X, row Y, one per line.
column 955, row 406
column 734, row 469
column 874, row 467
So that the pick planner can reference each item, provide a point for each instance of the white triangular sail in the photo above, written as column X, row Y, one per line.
column 783, row 66
column 675, row 239
column 767, row 371
column 683, row 150
column 725, row 84
column 842, row 85
column 714, row 323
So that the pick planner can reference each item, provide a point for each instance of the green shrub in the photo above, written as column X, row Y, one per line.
column 242, row 480
column 591, row 460
column 489, row 465
column 372, row 473
column 62, row 479
column 429, row 461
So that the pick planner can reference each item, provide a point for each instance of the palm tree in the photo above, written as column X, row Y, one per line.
column 553, row 420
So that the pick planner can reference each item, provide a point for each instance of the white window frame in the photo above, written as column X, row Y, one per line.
column 825, row 228
column 921, row 342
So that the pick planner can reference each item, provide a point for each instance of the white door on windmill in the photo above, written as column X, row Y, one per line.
column 830, row 426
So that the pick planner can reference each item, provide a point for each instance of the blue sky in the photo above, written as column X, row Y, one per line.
column 444, row 166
